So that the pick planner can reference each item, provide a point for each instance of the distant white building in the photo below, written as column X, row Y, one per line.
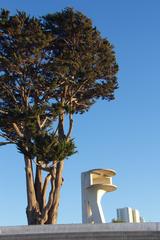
column 129, row 215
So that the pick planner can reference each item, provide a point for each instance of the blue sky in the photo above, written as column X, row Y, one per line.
column 123, row 134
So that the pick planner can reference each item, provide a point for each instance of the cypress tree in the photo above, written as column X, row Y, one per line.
column 50, row 69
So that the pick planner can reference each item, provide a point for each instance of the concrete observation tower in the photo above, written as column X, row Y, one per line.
column 95, row 183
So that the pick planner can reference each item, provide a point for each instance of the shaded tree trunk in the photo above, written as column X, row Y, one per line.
column 38, row 187
column 32, row 210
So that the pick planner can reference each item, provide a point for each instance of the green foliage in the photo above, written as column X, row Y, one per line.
column 50, row 68
column 81, row 60
column 47, row 148
column 117, row 221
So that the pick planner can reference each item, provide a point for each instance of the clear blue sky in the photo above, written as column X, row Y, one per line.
column 123, row 134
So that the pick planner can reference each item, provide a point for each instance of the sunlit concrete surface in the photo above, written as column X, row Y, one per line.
column 94, row 184
column 109, row 231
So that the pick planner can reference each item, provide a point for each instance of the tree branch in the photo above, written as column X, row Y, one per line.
column 38, row 186
column 56, row 130
column 7, row 138
column 50, row 201
column 39, row 121
column 41, row 125
column 20, row 134
column 78, row 89
column 44, row 166
column 31, row 195
column 53, row 212
column 44, row 122
column 44, row 190
column 61, row 126
column 5, row 143
column 70, row 125
column 10, row 92
column 3, row 112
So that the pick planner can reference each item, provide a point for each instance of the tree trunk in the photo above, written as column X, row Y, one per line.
column 39, row 212
column 32, row 210
column 53, row 213
column 38, row 187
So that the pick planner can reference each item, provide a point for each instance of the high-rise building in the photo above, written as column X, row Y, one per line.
column 128, row 215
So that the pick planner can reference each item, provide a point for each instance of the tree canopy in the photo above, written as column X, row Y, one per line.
column 50, row 68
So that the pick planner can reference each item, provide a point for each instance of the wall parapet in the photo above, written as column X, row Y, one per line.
column 108, row 231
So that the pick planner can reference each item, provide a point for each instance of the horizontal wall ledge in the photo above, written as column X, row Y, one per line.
column 108, row 231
